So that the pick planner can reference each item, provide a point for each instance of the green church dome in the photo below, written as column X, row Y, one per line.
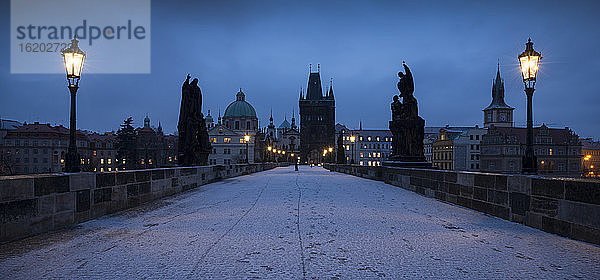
column 240, row 108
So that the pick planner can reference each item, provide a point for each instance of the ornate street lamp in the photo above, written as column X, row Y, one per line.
column 352, row 139
column 73, row 58
column 269, row 148
column 530, row 61
column 247, row 139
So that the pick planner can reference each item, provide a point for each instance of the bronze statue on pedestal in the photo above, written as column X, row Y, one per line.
column 407, row 127
column 193, row 145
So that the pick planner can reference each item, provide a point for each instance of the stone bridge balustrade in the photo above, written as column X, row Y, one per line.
column 33, row 204
column 564, row 206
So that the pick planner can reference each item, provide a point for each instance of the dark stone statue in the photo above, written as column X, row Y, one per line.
column 407, row 127
column 194, row 146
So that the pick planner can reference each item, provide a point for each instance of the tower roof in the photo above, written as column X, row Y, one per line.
column 498, row 93
column 240, row 107
column 314, row 91
column 285, row 124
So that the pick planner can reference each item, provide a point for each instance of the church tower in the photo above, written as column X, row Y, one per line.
column 498, row 113
column 317, row 119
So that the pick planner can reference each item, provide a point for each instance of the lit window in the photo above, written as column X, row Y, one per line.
column 361, row 155
column 550, row 151
column 94, row 152
column 109, row 169
column 170, row 159
column 142, row 161
column 226, row 140
column 149, row 161
column 102, row 169
column 109, row 161
column 102, row 161
column 213, row 139
column 369, row 139
column 242, row 140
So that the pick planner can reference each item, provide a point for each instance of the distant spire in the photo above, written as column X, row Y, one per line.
column 309, row 68
column 330, row 92
column 301, row 96
column 219, row 121
column 294, row 119
column 318, row 67
column 271, row 118
column 360, row 125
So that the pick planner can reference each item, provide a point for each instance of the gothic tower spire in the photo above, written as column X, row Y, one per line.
column 498, row 113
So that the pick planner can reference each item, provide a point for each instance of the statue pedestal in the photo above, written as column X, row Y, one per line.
column 407, row 144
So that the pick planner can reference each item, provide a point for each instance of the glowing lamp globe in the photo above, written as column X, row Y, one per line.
column 73, row 57
column 530, row 61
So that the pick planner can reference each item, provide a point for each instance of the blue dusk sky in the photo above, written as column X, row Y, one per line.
column 265, row 48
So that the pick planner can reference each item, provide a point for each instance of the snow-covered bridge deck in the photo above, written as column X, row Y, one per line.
column 293, row 225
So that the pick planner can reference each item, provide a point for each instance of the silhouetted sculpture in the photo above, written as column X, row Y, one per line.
column 341, row 156
column 407, row 127
column 194, row 146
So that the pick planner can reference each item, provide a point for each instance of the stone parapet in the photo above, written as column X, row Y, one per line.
column 33, row 204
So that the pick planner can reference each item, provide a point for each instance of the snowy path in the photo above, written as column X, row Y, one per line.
column 294, row 225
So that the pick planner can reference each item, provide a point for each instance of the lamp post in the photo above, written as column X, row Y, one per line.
column 529, row 60
column 247, row 139
column 73, row 59
column 352, row 139
column 269, row 149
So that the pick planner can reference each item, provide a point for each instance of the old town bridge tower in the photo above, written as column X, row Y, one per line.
column 317, row 120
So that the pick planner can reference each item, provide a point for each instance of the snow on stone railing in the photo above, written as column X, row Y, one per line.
column 564, row 206
column 33, row 204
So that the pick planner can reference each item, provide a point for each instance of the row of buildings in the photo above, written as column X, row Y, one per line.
column 237, row 137
column 41, row 148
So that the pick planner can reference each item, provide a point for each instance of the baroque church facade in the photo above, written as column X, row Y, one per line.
column 317, row 120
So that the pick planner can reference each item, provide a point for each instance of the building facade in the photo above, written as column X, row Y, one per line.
column 370, row 147
column 41, row 148
column 457, row 148
column 590, row 161
column 228, row 146
column 227, row 137
column 558, row 151
column 317, row 120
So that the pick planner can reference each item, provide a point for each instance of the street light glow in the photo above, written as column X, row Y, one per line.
column 529, row 60
column 247, row 138
column 73, row 59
